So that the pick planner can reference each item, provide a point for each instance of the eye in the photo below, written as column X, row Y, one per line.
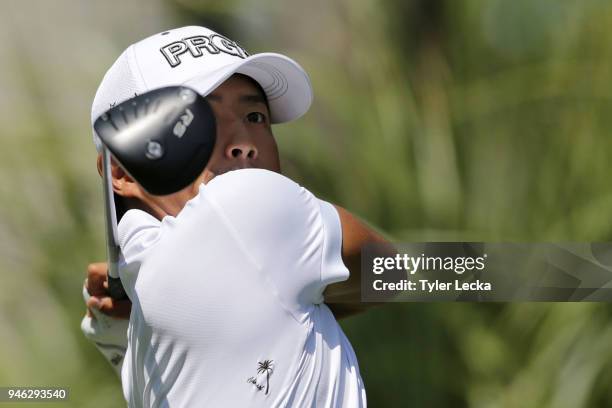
column 256, row 117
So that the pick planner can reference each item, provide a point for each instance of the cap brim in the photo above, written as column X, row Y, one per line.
column 285, row 83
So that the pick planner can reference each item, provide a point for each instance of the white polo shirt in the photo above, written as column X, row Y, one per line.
column 227, row 300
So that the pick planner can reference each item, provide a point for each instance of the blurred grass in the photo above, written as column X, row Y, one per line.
column 433, row 120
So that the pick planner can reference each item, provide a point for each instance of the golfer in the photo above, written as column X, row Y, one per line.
column 236, row 281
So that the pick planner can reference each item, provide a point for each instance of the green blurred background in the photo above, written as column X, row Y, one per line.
column 433, row 120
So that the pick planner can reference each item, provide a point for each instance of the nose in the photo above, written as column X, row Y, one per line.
column 242, row 150
column 233, row 138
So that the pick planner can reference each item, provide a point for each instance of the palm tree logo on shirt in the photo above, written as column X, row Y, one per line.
column 263, row 367
column 267, row 367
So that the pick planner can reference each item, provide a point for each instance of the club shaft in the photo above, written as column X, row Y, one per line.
column 112, row 247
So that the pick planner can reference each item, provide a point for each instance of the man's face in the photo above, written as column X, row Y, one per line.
column 244, row 135
column 244, row 140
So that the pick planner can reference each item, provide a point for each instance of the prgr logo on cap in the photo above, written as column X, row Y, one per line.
column 196, row 46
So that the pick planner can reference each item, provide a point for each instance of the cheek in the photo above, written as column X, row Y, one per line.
column 216, row 158
column 268, row 153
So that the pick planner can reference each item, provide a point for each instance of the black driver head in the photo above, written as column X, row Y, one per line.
column 163, row 138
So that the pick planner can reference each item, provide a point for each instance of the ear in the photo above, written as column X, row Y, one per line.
column 123, row 184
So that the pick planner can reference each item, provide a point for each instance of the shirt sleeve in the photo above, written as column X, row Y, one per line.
column 293, row 238
column 332, row 267
column 138, row 231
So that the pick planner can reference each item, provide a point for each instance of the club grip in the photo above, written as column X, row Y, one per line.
column 115, row 289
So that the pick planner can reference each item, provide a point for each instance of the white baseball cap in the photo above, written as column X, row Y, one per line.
column 202, row 59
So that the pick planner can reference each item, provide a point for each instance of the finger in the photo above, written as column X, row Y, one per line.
column 93, row 303
column 96, row 277
column 115, row 308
